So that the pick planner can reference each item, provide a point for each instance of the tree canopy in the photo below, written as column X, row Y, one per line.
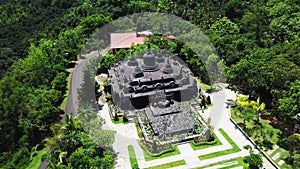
column 257, row 43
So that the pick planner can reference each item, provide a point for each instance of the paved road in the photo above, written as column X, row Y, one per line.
column 76, row 79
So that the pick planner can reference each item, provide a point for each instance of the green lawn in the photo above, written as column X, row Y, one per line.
column 206, row 86
column 282, row 156
column 199, row 147
column 120, row 121
column 169, row 165
column 36, row 160
column 267, row 131
column 138, row 129
column 274, row 152
column 285, row 166
column 208, row 106
column 132, row 157
column 148, row 157
column 64, row 102
column 240, row 162
column 234, row 148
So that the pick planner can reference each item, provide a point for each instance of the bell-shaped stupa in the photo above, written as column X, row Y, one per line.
column 149, row 62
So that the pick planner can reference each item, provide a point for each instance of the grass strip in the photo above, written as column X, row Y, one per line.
column 208, row 106
column 206, row 86
column 63, row 104
column 240, row 162
column 138, row 129
column 274, row 152
column 169, row 165
column 37, row 159
column 132, row 157
column 285, row 166
column 218, row 163
column 204, row 145
column 234, row 148
column 120, row 121
column 282, row 156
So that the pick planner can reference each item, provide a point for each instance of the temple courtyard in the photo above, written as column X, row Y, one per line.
column 227, row 153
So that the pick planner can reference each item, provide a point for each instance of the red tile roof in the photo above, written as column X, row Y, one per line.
column 125, row 40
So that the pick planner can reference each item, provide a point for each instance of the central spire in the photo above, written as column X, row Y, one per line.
column 149, row 49
column 149, row 63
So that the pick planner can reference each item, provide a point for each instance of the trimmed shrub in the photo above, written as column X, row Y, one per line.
column 108, row 96
column 162, row 149
column 211, row 141
column 140, row 134
column 208, row 100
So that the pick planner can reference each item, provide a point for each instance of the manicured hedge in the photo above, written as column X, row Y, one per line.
column 205, row 143
column 156, row 154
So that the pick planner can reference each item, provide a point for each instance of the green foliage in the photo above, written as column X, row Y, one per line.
column 94, row 22
column 169, row 165
column 234, row 149
column 86, row 92
column 224, row 27
column 108, row 60
column 133, row 161
column 36, row 157
column 289, row 104
column 258, row 44
column 254, row 160
column 202, row 145
column 108, row 96
column 153, row 151
column 72, row 147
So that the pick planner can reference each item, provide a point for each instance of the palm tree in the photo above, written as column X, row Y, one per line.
column 258, row 108
column 54, row 142
column 246, row 114
column 71, row 124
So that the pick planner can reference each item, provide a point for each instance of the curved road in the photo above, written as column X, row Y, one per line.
column 76, row 79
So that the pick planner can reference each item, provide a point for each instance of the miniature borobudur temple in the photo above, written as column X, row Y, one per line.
column 160, row 90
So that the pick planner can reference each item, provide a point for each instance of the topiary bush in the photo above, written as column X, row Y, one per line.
column 208, row 100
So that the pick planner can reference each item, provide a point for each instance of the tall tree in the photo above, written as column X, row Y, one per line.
column 289, row 105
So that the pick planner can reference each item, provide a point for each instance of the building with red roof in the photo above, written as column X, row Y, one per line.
column 124, row 40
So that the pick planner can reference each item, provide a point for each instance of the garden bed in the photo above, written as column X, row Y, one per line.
column 202, row 145
column 161, row 151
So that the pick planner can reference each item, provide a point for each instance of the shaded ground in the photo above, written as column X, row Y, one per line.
column 283, row 126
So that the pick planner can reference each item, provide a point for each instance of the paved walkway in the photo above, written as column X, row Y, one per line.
column 127, row 135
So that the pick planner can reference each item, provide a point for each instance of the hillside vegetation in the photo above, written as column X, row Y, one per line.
column 257, row 41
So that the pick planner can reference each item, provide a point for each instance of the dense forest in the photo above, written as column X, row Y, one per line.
column 257, row 41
